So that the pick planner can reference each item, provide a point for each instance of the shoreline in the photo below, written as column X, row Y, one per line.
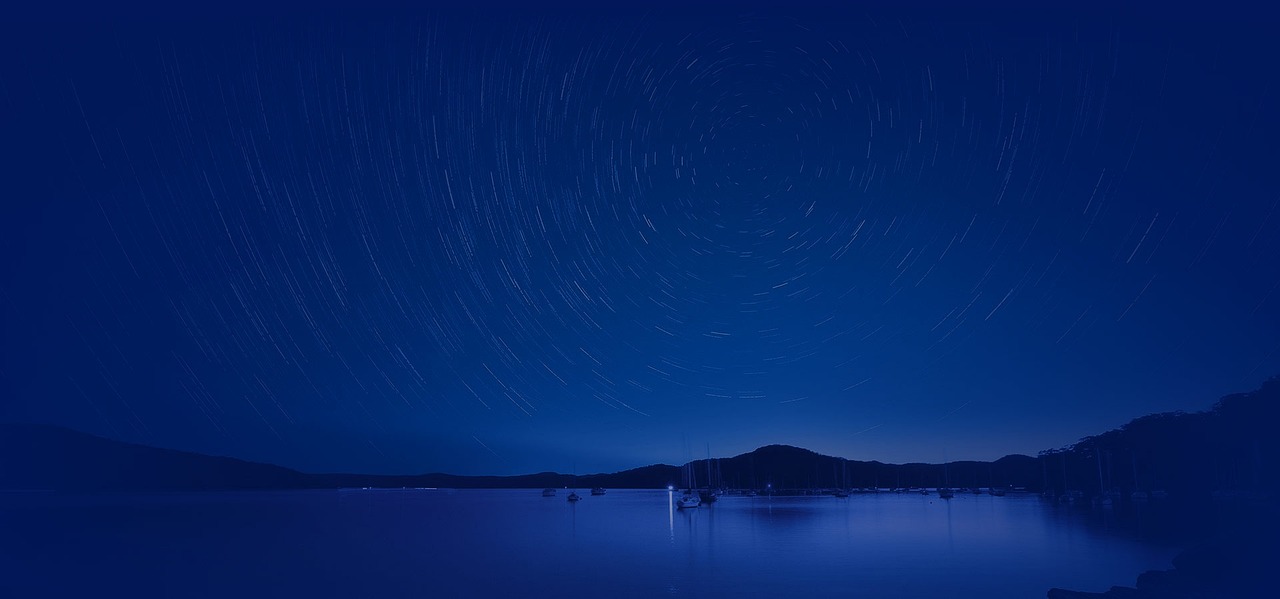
column 1236, row 558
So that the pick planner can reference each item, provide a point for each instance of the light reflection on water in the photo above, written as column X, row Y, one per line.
column 517, row 543
column 671, row 513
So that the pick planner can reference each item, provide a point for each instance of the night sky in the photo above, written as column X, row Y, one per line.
column 505, row 244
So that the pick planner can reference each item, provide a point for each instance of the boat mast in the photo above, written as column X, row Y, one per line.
column 1065, row 484
column 708, row 466
column 1102, row 487
column 1133, row 459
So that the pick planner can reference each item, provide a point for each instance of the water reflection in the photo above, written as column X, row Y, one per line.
column 517, row 543
column 951, row 536
column 671, row 514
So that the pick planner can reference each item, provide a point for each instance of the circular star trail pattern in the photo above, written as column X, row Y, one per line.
column 509, row 245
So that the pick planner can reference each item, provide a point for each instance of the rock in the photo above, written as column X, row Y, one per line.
column 1208, row 561
column 1065, row 594
column 1113, row 593
column 1163, row 583
column 1124, row 593
column 1235, row 564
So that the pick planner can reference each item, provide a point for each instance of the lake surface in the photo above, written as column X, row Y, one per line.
column 515, row 543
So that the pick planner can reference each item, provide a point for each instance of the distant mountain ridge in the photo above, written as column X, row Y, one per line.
column 1231, row 446
column 34, row 456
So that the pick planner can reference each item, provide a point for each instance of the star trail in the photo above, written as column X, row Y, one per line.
column 503, row 244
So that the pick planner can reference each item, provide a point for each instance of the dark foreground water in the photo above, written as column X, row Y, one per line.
column 514, row 543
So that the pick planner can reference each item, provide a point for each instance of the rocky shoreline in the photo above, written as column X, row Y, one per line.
column 1242, row 564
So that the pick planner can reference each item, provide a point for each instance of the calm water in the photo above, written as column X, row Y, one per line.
column 516, row 543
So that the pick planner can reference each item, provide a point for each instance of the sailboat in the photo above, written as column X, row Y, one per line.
column 1068, row 495
column 573, row 495
column 1138, row 495
column 1103, row 499
column 1045, row 491
column 991, row 480
column 946, row 492
column 708, row 496
column 689, row 499
column 843, row 492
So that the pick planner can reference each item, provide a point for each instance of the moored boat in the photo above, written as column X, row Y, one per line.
column 688, row 500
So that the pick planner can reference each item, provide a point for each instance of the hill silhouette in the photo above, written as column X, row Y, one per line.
column 48, row 457
column 1229, row 447
column 34, row 456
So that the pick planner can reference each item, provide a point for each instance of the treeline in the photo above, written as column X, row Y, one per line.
column 1230, row 447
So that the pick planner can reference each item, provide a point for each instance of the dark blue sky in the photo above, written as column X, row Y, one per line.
column 486, row 245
